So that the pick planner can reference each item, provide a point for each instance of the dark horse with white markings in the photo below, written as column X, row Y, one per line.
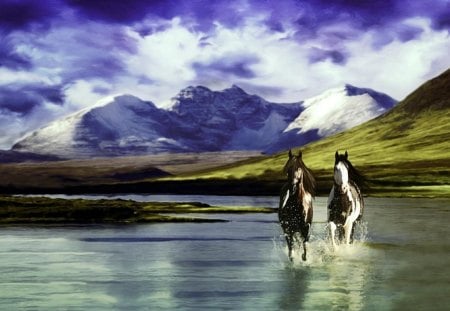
column 295, row 211
column 345, row 203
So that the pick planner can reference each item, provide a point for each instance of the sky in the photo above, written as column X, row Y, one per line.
column 60, row 56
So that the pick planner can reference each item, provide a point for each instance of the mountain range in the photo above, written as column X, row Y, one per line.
column 201, row 120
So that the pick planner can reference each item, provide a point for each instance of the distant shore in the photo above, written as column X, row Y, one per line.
column 245, row 187
column 18, row 210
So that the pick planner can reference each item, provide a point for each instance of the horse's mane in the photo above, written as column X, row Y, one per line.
column 309, row 182
column 354, row 175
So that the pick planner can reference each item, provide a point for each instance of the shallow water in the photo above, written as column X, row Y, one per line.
column 400, row 262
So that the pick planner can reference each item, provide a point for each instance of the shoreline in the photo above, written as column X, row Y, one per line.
column 20, row 210
column 248, row 187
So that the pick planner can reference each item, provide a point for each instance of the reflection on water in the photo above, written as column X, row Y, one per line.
column 399, row 262
column 293, row 289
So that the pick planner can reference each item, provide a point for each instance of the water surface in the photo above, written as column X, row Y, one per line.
column 400, row 262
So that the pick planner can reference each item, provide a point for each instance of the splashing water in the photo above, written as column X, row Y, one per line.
column 319, row 249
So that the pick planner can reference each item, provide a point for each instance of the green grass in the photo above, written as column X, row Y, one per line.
column 42, row 210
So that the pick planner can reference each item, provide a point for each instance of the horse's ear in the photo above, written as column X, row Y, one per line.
column 300, row 154
column 346, row 154
column 290, row 153
column 336, row 155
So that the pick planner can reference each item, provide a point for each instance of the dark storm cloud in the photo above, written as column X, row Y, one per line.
column 234, row 66
column 373, row 14
column 10, row 58
column 22, row 14
column 203, row 13
column 105, row 67
column 442, row 19
column 308, row 15
column 24, row 98
column 113, row 11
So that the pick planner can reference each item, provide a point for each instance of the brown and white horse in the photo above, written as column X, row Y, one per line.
column 345, row 202
column 295, row 210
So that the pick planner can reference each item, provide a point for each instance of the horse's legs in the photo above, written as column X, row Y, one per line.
column 289, row 240
column 305, row 243
column 305, row 236
column 348, row 231
column 332, row 233
column 353, row 231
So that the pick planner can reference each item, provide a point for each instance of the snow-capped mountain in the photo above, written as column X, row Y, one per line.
column 203, row 120
column 117, row 125
column 339, row 109
column 228, row 120
column 332, row 112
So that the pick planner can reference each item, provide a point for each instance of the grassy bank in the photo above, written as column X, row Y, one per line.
column 42, row 210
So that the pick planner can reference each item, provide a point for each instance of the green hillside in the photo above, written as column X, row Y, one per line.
column 403, row 152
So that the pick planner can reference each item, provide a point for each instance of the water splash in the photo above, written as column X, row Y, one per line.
column 320, row 251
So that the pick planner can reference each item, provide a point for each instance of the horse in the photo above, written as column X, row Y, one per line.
column 295, row 210
column 345, row 202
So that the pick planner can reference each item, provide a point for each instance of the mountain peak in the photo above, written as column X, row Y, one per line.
column 236, row 88
column 192, row 91
column 340, row 108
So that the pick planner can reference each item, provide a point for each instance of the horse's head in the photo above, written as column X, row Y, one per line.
column 344, row 171
column 293, row 168
column 341, row 167
column 299, row 176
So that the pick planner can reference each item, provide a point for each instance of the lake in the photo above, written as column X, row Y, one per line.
column 399, row 262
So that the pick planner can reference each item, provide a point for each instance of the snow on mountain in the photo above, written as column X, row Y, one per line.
column 117, row 125
column 203, row 120
column 331, row 112
column 228, row 120
column 339, row 109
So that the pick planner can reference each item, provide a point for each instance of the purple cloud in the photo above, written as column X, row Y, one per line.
column 319, row 55
column 10, row 58
column 442, row 19
column 407, row 33
column 22, row 99
column 113, row 11
column 105, row 67
column 202, row 14
column 234, row 66
column 23, row 14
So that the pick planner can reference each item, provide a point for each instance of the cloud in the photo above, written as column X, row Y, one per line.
column 113, row 11
column 68, row 54
column 258, row 58
column 26, row 14
column 10, row 58
column 320, row 55
column 201, row 14
column 22, row 99
column 398, row 67
column 229, row 67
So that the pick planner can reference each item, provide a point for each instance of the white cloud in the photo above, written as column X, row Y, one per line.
column 397, row 68
column 81, row 94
